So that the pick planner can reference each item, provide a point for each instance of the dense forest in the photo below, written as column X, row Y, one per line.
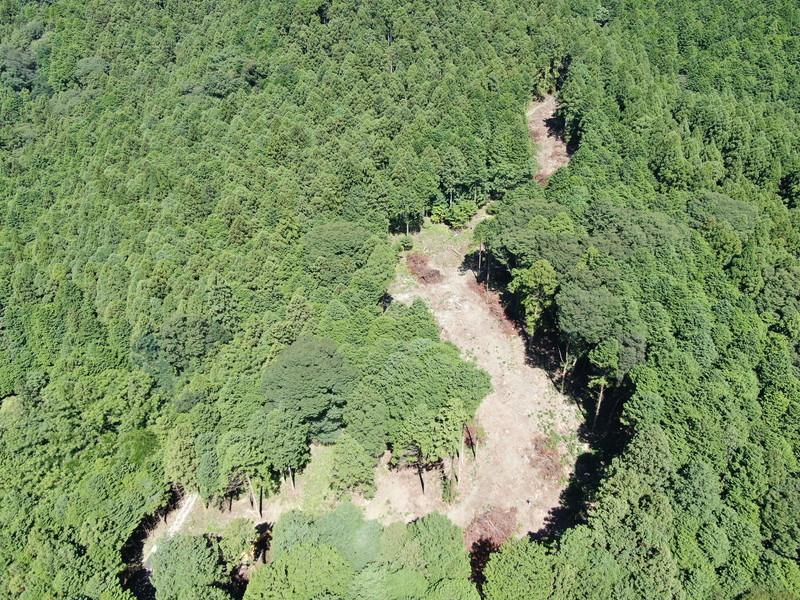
column 195, row 207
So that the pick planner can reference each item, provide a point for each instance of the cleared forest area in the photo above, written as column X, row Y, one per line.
column 547, row 132
column 529, row 428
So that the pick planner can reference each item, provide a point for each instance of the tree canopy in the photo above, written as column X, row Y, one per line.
column 195, row 209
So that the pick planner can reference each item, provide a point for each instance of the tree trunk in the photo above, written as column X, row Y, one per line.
column 461, row 456
column 480, row 256
column 252, row 493
column 261, row 500
column 291, row 477
column 472, row 444
column 611, row 414
column 419, row 470
column 599, row 402
column 564, row 368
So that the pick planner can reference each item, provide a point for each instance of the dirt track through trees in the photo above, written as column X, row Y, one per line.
column 530, row 440
column 551, row 149
column 178, row 519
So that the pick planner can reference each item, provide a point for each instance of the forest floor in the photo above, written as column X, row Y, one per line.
column 547, row 132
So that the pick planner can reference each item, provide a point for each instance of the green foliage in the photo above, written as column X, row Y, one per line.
column 604, row 359
column 355, row 468
column 357, row 540
column 672, row 245
column 187, row 567
column 284, row 441
column 304, row 573
column 520, row 570
column 347, row 557
column 310, row 380
column 442, row 552
column 180, row 456
column 237, row 540
column 405, row 243
column 193, row 237
column 536, row 285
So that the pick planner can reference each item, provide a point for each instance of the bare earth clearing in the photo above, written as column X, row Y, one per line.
column 530, row 441
column 551, row 149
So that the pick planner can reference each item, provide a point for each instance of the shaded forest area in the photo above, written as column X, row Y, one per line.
column 193, row 253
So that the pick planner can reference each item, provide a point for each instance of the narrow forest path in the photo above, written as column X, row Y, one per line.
column 179, row 517
column 546, row 132
column 530, row 429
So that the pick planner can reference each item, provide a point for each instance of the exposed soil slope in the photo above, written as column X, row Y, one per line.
column 546, row 132
column 529, row 427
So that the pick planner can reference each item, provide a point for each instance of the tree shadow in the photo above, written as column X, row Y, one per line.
column 575, row 499
column 236, row 585
column 263, row 541
column 491, row 273
column 543, row 353
column 224, row 502
column 469, row 263
column 137, row 582
column 401, row 225
column 556, row 127
column 479, row 556
column 136, row 578
column 386, row 301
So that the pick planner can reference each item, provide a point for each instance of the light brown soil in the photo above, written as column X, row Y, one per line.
column 530, row 441
column 551, row 149
column 192, row 517
column 172, row 524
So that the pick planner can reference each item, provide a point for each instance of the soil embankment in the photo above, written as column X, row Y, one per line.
column 530, row 429
column 547, row 132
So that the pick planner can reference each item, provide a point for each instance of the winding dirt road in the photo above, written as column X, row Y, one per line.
column 179, row 518
column 530, row 428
